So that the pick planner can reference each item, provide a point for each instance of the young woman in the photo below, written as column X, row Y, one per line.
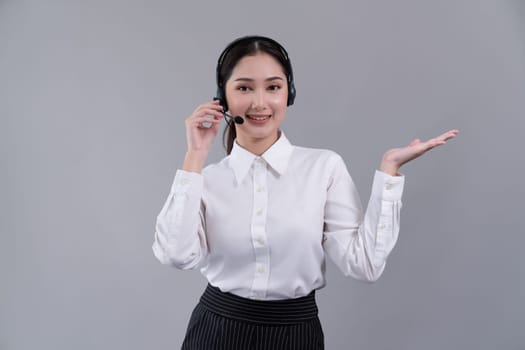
column 260, row 222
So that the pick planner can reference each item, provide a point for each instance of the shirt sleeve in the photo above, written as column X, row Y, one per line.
column 360, row 244
column 180, row 238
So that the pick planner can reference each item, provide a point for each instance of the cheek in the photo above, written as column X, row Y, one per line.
column 237, row 101
column 279, row 101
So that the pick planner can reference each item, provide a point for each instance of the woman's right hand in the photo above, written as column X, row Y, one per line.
column 200, row 138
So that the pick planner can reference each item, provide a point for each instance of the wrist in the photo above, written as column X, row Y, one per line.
column 194, row 160
column 389, row 168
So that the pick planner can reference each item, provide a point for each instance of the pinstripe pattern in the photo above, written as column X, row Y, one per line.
column 228, row 322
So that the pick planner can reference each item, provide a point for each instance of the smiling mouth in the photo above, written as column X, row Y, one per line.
column 258, row 118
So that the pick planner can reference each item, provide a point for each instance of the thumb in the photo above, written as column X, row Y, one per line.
column 415, row 142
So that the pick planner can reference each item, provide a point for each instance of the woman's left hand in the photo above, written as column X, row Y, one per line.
column 394, row 158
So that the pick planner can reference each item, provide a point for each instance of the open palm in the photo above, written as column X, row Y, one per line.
column 396, row 157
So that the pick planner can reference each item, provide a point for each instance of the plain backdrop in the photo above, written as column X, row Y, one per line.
column 93, row 95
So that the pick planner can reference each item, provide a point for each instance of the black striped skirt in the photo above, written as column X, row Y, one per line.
column 226, row 321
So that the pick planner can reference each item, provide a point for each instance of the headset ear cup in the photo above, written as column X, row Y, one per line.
column 291, row 93
column 220, row 96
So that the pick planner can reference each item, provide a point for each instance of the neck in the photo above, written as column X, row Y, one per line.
column 255, row 145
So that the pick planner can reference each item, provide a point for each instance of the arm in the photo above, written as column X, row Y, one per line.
column 359, row 245
column 180, row 238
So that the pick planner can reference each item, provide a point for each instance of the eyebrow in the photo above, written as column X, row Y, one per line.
column 267, row 79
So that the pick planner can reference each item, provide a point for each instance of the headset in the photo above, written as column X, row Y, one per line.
column 221, row 94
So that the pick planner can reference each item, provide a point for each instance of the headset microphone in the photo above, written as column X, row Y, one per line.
column 237, row 119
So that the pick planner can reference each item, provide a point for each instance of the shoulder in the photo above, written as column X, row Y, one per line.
column 217, row 167
column 317, row 162
column 320, row 156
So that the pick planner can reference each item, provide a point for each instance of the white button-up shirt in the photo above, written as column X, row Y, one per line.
column 260, row 227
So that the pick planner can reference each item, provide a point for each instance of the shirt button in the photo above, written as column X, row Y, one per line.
column 260, row 240
column 261, row 269
column 381, row 226
column 260, row 189
column 388, row 186
column 259, row 212
column 184, row 181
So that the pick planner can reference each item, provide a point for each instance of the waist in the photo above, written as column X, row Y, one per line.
column 286, row 311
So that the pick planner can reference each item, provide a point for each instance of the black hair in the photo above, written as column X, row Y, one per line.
column 232, row 54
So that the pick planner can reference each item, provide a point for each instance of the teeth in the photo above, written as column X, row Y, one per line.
column 258, row 118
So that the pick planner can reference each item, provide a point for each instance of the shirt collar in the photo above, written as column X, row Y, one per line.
column 277, row 156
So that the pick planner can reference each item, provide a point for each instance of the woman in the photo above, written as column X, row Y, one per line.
column 259, row 223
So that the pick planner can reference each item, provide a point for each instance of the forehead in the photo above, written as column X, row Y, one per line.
column 260, row 65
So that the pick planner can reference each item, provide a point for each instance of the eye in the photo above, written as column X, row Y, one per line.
column 243, row 88
column 274, row 87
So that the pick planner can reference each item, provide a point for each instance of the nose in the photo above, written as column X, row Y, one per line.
column 258, row 100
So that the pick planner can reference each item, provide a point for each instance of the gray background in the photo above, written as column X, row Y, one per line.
column 92, row 101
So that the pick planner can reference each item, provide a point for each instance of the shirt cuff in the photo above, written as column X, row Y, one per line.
column 187, row 181
column 388, row 187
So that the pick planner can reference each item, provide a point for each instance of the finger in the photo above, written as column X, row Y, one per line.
column 210, row 107
column 434, row 143
column 213, row 105
column 414, row 142
column 205, row 119
column 428, row 145
column 207, row 106
column 448, row 135
column 451, row 134
column 443, row 137
column 202, row 122
column 209, row 111
column 217, row 104
column 207, row 124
